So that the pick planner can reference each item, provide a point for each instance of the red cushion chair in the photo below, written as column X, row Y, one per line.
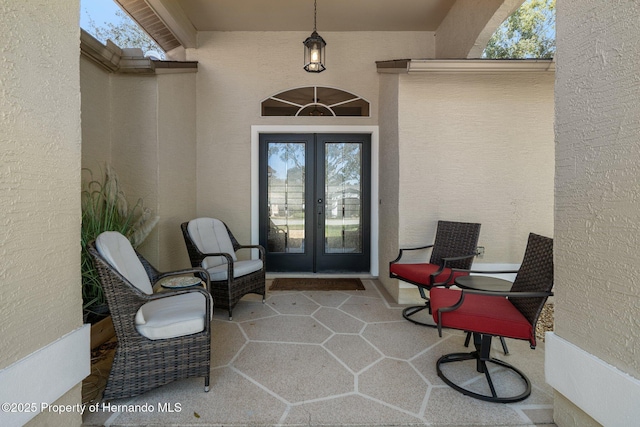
column 512, row 314
column 454, row 247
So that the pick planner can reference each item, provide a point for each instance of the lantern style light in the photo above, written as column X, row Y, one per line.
column 314, row 54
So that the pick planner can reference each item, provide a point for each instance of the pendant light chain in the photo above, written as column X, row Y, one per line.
column 315, row 13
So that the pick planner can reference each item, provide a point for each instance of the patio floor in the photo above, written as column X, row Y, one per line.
column 332, row 359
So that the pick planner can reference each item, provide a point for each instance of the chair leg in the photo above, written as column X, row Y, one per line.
column 502, row 341
column 410, row 311
column 504, row 345
column 481, row 357
column 206, row 384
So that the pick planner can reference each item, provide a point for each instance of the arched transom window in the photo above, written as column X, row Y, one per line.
column 315, row 101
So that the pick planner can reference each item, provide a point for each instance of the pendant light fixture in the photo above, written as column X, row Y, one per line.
column 314, row 54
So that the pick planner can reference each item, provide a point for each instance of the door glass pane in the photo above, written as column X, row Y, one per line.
column 285, row 198
column 343, row 188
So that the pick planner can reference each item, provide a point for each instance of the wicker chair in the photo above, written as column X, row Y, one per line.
column 211, row 245
column 454, row 247
column 488, row 314
column 151, row 351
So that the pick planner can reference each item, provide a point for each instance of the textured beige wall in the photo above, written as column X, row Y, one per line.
column 40, row 295
column 565, row 413
column 53, row 419
column 40, row 169
column 96, row 116
column 472, row 15
column 389, row 175
column 237, row 70
column 477, row 148
column 134, row 118
column 176, row 165
column 145, row 125
column 597, row 175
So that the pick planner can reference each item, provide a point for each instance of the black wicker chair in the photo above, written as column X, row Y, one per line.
column 211, row 245
column 455, row 246
column 488, row 314
column 142, row 363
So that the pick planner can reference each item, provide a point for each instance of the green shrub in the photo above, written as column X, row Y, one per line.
column 105, row 208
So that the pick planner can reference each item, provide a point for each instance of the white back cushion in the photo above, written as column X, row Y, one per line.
column 117, row 251
column 211, row 236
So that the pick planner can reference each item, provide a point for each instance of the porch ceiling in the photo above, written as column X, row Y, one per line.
column 176, row 22
column 333, row 15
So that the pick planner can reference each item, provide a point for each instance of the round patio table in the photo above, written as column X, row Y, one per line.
column 483, row 283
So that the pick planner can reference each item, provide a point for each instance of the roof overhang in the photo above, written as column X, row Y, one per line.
column 116, row 60
column 411, row 66
column 461, row 28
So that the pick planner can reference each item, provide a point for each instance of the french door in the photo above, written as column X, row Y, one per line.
column 315, row 202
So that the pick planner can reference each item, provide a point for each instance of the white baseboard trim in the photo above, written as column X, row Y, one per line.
column 606, row 394
column 44, row 376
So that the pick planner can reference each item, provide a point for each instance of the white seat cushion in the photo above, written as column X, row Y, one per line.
column 117, row 251
column 172, row 316
column 210, row 236
column 240, row 268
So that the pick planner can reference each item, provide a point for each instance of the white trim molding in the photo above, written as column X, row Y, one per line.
column 44, row 376
column 256, row 130
column 602, row 391
column 411, row 66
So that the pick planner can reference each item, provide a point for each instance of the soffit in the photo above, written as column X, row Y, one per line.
column 333, row 15
column 140, row 11
column 457, row 23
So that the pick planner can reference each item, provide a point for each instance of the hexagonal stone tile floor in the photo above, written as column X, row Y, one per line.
column 329, row 359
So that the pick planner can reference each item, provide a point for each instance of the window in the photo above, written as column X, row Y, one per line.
column 315, row 101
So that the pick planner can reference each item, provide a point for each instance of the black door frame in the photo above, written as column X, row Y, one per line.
column 317, row 260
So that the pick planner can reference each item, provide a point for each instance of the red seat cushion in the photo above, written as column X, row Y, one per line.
column 419, row 273
column 481, row 313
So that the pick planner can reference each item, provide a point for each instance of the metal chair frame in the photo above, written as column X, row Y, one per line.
column 528, row 294
column 454, row 247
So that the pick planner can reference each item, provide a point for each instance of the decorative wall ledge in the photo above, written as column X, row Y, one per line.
column 601, row 390
column 41, row 378
column 116, row 60
column 410, row 66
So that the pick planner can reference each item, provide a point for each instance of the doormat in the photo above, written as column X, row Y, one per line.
column 313, row 284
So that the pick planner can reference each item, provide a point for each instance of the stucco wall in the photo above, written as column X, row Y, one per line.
column 144, row 126
column 389, row 175
column 177, row 165
column 597, row 175
column 477, row 148
column 479, row 20
column 40, row 294
column 237, row 70
column 40, row 171
column 96, row 116
column 134, row 117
